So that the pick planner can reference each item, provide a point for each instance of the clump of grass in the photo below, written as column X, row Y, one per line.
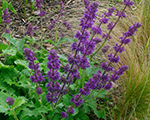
column 135, row 99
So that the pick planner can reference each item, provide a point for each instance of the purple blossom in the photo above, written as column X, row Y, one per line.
column 65, row 80
column 104, row 20
column 38, row 3
column 85, row 91
column 9, row 100
column 97, row 40
column 120, row 14
column 110, row 26
column 114, row 59
column 70, row 111
column 110, row 11
column 6, row 16
column 66, row 24
column 114, row 77
column 106, row 36
column 105, row 48
column 42, row 13
column 52, row 97
column 125, row 40
column 118, row 48
column 121, row 70
column 132, row 29
column 38, row 77
column 76, row 100
column 106, row 67
column 51, row 25
column 108, row 85
column 64, row 115
column 128, row 2
column 30, row 30
column 97, row 30
column 7, row 31
column 39, row 90
column 84, row 63
column 54, row 87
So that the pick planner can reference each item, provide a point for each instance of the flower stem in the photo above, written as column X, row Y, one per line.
column 15, row 116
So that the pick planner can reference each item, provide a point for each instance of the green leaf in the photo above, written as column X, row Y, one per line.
column 9, row 38
column 65, row 39
column 3, row 109
column 6, row 88
column 76, row 111
column 19, row 101
column 22, row 62
column 50, row 41
column 1, row 64
column 99, row 114
column 62, row 57
column 11, row 8
column 20, row 45
column 81, row 116
column 101, row 95
column 9, row 75
column 66, row 99
column 35, row 112
column 102, row 114
column 5, row 4
column 0, row 12
column 56, row 117
column 11, row 50
column 3, row 47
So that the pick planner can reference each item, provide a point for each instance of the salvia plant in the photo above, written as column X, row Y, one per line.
column 58, row 88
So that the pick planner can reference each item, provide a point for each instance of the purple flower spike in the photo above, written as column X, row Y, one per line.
column 30, row 31
column 70, row 111
column 108, row 85
column 38, row 3
column 120, row 14
column 30, row 57
column 39, row 90
column 76, row 100
column 64, row 115
column 9, row 100
column 42, row 13
column 6, row 16
column 110, row 26
column 105, row 48
column 7, row 31
column 128, row 2
column 66, row 24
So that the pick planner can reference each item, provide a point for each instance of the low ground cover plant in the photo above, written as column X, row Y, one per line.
column 41, row 84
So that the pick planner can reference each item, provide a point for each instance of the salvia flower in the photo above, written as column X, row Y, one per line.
column 38, row 3
column 105, row 49
column 42, row 13
column 76, row 100
column 128, row 2
column 39, row 90
column 7, row 31
column 110, row 11
column 64, row 115
column 37, row 77
column 69, row 110
column 66, row 24
column 9, row 100
column 6, row 16
column 30, row 30
column 53, row 75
